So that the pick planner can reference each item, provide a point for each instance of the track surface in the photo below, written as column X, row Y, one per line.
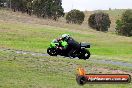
column 117, row 63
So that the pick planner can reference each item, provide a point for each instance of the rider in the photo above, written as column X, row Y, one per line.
column 72, row 44
column 60, row 44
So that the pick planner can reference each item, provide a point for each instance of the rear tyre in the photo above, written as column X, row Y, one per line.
column 52, row 51
column 84, row 54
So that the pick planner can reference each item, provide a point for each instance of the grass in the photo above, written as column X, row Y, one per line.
column 35, row 37
column 26, row 71
column 22, row 32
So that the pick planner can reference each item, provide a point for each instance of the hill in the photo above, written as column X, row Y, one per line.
column 114, row 14
column 22, row 32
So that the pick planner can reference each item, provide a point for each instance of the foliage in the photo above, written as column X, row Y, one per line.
column 3, row 3
column 124, row 25
column 48, row 9
column 99, row 21
column 42, row 8
column 75, row 16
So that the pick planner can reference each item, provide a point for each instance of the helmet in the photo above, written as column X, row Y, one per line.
column 65, row 36
column 55, row 41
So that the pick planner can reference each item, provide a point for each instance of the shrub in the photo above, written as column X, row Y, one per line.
column 75, row 16
column 99, row 21
column 124, row 25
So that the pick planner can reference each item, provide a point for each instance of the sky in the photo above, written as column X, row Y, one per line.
column 90, row 5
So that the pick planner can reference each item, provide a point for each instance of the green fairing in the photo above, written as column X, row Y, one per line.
column 64, row 44
column 53, row 45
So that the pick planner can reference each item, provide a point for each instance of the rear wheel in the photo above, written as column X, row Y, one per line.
column 52, row 51
column 84, row 54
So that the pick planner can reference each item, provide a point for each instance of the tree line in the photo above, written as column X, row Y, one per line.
column 51, row 9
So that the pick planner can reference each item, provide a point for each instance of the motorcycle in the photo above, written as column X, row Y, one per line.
column 81, row 53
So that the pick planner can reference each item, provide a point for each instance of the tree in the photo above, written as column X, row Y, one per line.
column 48, row 9
column 3, row 3
column 42, row 8
column 75, row 16
column 99, row 21
column 124, row 25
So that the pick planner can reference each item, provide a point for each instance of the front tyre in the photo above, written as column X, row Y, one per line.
column 52, row 51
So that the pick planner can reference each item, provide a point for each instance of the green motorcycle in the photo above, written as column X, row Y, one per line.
column 82, row 53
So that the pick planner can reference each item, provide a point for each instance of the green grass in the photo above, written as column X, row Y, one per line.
column 26, row 71
column 22, row 32
column 34, row 37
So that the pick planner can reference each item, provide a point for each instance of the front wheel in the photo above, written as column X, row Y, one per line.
column 84, row 54
column 52, row 51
